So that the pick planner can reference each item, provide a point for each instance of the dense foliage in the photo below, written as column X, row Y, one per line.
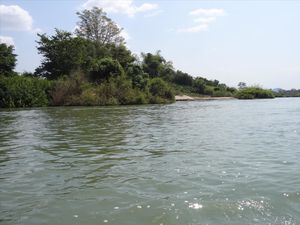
column 253, row 93
column 287, row 93
column 20, row 91
column 94, row 25
column 62, row 53
column 7, row 60
column 119, row 90
column 93, row 67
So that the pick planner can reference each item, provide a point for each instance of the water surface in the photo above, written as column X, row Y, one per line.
column 214, row 162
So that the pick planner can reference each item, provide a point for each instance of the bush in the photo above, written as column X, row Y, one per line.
column 66, row 90
column 119, row 90
column 254, row 92
column 208, row 90
column 18, row 91
column 199, row 85
column 222, row 93
column 104, row 69
column 161, row 92
column 183, row 79
column 88, row 97
column 115, row 91
column 138, row 77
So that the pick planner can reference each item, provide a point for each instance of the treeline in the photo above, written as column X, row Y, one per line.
column 93, row 66
column 287, row 93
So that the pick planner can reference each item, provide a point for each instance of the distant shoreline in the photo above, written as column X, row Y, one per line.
column 204, row 98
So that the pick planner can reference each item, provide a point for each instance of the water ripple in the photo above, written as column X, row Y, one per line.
column 221, row 162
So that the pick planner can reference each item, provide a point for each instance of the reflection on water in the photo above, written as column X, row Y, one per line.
column 220, row 162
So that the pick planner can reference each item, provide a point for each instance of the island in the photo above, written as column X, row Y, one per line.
column 93, row 67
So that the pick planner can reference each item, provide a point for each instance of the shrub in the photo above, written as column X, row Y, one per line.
column 138, row 77
column 18, row 91
column 89, row 97
column 199, row 85
column 119, row 90
column 183, row 79
column 254, row 92
column 66, row 90
column 59, row 92
column 222, row 93
column 208, row 90
column 161, row 92
column 104, row 69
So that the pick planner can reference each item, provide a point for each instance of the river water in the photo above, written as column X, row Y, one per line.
column 209, row 162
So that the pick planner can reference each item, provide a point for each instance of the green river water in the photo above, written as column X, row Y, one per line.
column 203, row 162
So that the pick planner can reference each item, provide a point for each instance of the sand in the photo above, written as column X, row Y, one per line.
column 189, row 98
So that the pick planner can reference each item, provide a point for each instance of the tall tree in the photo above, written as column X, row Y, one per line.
column 242, row 85
column 96, row 26
column 62, row 54
column 7, row 59
column 153, row 64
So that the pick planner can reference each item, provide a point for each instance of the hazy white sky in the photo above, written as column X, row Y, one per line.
column 256, row 42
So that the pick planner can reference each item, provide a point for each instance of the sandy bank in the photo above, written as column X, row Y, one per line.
column 189, row 98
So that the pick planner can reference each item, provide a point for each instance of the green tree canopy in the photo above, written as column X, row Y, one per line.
column 138, row 76
column 160, row 89
column 183, row 78
column 106, row 68
column 94, row 25
column 199, row 85
column 62, row 54
column 122, row 54
column 7, row 59
column 254, row 92
column 153, row 64
column 242, row 85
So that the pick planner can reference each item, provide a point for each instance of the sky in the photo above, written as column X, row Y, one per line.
column 257, row 42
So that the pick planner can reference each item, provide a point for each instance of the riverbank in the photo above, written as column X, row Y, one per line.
column 204, row 98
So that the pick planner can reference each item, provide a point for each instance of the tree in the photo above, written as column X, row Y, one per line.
column 167, row 72
column 242, row 85
column 160, row 90
column 62, row 54
column 183, row 78
column 106, row 68
column 138, row 76
column 7, row 59
column 122, row 54
column 199, row 85
column 153, row 64
column 94, row 25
